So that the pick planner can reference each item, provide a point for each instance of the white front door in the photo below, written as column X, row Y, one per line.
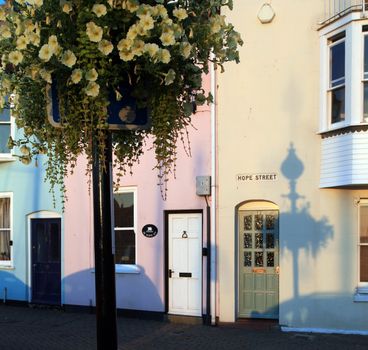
column 185, row 264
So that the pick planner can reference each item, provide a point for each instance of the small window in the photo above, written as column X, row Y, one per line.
column 363, row 243
column 5, row 230
column 5, row 131
column 125, row 226
column 337, row 80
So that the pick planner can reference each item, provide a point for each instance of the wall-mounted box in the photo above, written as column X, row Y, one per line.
column 203, row 185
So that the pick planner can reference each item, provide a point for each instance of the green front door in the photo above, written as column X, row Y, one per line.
column 258, row 264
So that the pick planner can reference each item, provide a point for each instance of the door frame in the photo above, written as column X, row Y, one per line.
column 167, row 213
column 44, row 214
column 261, row 205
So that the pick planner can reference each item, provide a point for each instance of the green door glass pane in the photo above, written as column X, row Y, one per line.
column 270, row 241
column 247, row 259
column 247, row 240
column 248, row 222
column 258, row 259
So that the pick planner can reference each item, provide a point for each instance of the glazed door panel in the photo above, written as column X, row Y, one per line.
column 258, row 264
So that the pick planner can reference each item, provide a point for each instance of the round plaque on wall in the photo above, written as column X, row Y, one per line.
column 149, row 230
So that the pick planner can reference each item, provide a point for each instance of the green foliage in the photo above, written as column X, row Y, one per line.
column 161, row 48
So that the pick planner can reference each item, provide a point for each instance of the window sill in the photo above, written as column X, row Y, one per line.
column 348, row 129
column 7, row 158
column 125, row 269
column 129, row 269
column 6, row 267
column 361, row 295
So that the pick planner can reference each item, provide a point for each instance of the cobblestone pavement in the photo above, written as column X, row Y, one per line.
column 44, row 329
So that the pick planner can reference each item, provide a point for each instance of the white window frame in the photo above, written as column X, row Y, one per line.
column 331, row 88
column 8, row 263
column 353, row 26
column 364, row 79
column 361, row 294
column 128, row 268
column 9, row 156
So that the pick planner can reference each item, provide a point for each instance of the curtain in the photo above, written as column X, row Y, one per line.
column 4, row 228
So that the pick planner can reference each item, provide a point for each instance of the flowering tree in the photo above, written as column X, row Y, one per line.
column 89, row 48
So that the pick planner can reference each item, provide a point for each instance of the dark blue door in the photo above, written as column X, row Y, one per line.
column 46, row 265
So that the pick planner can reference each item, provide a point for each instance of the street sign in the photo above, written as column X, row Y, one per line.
column 123, row 113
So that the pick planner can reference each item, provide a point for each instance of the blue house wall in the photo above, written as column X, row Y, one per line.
column 30, row 194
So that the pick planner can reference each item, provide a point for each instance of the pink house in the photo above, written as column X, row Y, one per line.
column 161, row 246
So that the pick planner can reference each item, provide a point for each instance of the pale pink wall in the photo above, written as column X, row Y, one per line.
column 143, row 291
column 78, row 285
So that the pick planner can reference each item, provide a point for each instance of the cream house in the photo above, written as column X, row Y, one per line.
column 293, row 166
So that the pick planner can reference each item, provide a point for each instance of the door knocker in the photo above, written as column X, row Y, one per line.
column 184, row 235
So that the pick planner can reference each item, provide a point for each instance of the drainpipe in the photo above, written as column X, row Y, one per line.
column 213, row 194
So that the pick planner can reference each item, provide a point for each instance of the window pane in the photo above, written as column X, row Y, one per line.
column 364, row 264
column 247, row 240
column 363, row 224
column 4, row 244
column 365, row 56
column 258, row 221
column 338, row 63
column 5, row 116
column 270, row 259
column 365, row 111
column 270, row 222
column 124, row 247
column 259, row 259
column 259, row 240
column 4, row 213
column 270, row 242
column 4, row 136
column 248, row 222
column 124, row 209
column 338, row 105
column 247, row 259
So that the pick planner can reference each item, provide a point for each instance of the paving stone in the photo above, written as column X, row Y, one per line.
column 44, row 329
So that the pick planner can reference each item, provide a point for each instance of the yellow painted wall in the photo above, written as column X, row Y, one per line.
column 268, row 119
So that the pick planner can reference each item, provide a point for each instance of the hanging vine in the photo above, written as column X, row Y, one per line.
column 88, row 49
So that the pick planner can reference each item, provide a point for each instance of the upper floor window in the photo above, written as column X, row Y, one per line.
column 344, row 74
column 5, row 229
column 5, row 132
column 337, row 79
column 125, row 218
column 365, row 79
